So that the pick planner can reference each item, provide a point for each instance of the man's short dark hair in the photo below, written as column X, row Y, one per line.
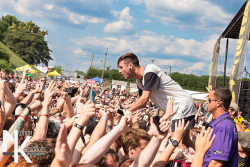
column 224, row 95
column 129, row 58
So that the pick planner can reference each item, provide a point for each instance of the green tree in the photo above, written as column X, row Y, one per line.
column 4, row 55
column 57, row 68
column 28, row 41
column 80, row 73
column 5, row 22
column 109, row 74
column 4, row 64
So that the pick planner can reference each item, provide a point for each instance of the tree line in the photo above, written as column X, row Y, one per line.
column 187, row 81
column 26, row 39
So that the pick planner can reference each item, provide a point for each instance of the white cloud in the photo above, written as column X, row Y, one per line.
column 177, row 65
column 123, row 25
column 49, row 6
column 147, row 21
column 146, row 43
column 80, row 19
column 61, row 11
column 191, row 47
column 194, row 67
column 198, row 14
column 78, row 52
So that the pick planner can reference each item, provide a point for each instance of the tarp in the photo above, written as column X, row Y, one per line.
column 198, row 95
column 28, row 67
column 54, row 73
column 214, row 66
column 97, row 79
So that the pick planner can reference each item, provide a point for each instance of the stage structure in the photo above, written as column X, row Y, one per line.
column 238, row 28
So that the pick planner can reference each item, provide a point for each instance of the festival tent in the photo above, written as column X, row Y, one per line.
column 28, row 67
column 97, row 79
column 198, row 95
column 54, row 73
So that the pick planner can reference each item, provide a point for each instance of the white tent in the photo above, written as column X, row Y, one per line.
column 198, row 95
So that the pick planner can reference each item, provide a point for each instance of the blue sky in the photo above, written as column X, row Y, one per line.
column 180, row 34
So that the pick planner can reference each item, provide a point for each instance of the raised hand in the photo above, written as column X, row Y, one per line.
column 124, row 124
column 63, row 155
column 180, row 129
column 169, row 110
column 204, row 140
column 22, row 86
column 154, row 131
column 86, row 111
column 66, row 97
column 49, row 92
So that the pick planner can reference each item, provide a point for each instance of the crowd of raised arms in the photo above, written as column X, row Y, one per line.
column 67, row 128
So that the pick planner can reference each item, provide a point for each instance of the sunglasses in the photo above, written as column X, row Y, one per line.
column 210, row 100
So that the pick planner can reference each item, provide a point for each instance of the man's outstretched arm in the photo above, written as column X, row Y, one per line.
column 141, row 102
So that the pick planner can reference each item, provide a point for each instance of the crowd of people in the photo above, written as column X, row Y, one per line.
column 62, row 124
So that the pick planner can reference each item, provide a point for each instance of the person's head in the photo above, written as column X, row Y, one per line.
column 126, row 64
column 41, row 153
column 219, row 98
column 233, row 110
column 134, row 142
column 110, row 159
column 127, row 162
column 245, row 124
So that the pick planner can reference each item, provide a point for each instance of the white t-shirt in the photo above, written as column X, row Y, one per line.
column 162, row 87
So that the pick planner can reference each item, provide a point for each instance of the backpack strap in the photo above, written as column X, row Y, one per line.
column 225, row 165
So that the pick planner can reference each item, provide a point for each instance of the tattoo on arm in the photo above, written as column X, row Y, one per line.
column 18, row 125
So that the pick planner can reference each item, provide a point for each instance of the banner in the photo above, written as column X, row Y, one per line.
column 117, row 82
column 214, row 66
column 90, row 82
column 240, row 56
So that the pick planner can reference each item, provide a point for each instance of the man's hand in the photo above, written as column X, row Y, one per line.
column 63, row 155
column 204, row 140
column 66, row 97
column 179, row 130
column 156, row 133
column 169, row 110
column 125, row 124
column 86, row 111
column 49, row 92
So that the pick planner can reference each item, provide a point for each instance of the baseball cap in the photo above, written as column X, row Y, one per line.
column 234, row 106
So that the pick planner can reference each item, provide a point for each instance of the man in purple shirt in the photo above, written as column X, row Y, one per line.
column 224, row 150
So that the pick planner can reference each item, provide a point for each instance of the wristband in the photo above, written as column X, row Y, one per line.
column 29, row 111
column 25, row 118
column 44, row 115
column 78, row 126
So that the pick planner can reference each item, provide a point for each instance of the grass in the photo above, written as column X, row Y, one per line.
column 15, row 60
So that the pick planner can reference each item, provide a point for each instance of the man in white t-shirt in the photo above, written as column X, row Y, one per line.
column 158, row 87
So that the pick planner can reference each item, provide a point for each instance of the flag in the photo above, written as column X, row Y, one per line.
column 214, row 65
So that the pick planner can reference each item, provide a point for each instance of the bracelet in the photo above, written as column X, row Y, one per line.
column 25, row 118
column 78, row 126
column 44, row 115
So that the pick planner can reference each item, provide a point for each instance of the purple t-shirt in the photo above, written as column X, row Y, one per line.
column 225, row 145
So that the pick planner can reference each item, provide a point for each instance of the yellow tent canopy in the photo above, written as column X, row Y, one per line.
column 54, row 73
column 28, row 67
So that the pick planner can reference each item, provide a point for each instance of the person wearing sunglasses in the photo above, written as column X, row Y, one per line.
column 224, row 150
column 245, row 126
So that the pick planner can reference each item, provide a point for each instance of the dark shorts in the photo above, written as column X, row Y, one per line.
column 190, row 126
